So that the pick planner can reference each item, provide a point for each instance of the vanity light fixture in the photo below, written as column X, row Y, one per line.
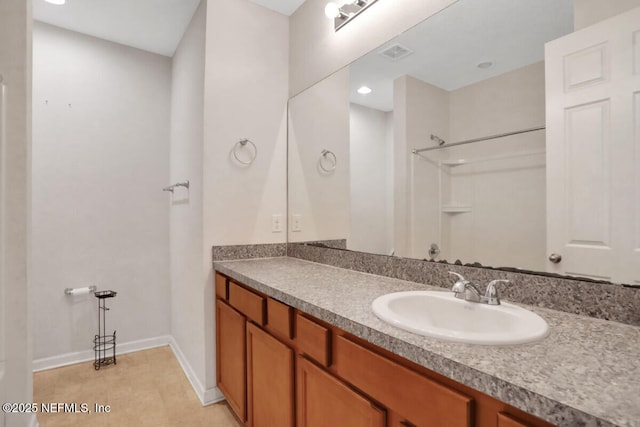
column 364, row 90
column 332, row 10
column 56, row 2
column 344, row 11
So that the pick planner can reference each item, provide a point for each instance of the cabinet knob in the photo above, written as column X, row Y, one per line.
column 555, row 258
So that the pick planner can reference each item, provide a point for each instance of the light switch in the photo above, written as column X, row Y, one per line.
column 276, row 223
column 296, row 222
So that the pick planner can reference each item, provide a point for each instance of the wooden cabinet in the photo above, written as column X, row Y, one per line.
column 278, row 366
column 255, row 371
column 279, row 319
column 324, row 401
column 231, row 367
column 506, row 420
column 222, row 287
column 313, row 339
column 422, row 401
column 270, row 376
column 250, row 304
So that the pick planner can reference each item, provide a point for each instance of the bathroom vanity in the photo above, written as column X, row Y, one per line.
column 298, row 344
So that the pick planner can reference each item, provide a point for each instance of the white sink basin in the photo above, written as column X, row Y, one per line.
column 442, row 315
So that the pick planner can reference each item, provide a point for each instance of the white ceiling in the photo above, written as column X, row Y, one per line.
column 449, row 46
column 285, row 7
column 152, row 25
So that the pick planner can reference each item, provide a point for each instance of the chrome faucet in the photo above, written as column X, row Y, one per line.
column 467, row 291
column 491, row 294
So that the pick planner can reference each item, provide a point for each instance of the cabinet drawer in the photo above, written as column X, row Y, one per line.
column 313, row 339
column 420, row 399
column 247, row 303
column 506, row 420
column 221, row 287
column 279, row 318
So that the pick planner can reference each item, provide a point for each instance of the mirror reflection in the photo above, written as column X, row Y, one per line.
column 469, row 73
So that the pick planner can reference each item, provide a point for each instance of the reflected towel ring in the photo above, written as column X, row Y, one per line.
column 243, row 142
column 332, row 158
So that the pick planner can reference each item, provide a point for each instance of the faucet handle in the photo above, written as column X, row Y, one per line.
column 461, row 283
column 460, row 276
column 491, row 294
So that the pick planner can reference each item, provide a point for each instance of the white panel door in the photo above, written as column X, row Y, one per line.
column 593, row 150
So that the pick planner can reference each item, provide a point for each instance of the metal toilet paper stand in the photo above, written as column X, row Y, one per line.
column 104, row 346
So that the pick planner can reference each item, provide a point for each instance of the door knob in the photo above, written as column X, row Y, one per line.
column 555, row 258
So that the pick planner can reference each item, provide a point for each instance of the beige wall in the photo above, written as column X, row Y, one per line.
column 319, row 119
column 186, row 217
column 371, row 178
column 316, row 50
column 588, row 12
column 16, row 384
column 100, row 159
column 245, row 96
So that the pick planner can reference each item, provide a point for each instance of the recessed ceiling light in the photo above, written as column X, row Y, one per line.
column 364, row 90
column 485, row 64
column 56, row 2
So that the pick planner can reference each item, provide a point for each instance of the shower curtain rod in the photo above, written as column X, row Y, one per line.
column 469, row 141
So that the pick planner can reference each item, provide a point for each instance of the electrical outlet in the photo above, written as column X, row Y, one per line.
column 276, row 223
column 296, row 223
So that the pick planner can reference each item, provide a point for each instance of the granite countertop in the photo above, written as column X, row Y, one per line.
column 585, row 373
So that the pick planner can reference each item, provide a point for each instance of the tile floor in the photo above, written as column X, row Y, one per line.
column 146, row 388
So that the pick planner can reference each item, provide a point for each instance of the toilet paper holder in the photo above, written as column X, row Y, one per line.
column 80, row 291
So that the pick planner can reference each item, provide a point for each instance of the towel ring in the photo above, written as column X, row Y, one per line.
column 243, row 142
column 332, row 158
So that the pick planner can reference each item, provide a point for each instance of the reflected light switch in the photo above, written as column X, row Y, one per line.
column 296, row 223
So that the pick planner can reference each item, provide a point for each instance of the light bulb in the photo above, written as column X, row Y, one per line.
column 331, row 10
column 364, row 90
column 56, row 2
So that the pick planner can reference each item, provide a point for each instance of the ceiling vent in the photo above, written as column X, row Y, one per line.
column 395, row 51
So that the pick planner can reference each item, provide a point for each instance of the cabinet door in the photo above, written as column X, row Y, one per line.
column 324, row 401
column 270, row 380
column 231, row 362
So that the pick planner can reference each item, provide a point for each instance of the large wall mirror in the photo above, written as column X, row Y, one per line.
column 432, row 146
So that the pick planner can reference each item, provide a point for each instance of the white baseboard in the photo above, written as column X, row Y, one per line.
column 24, row 419
column 206, row 396
column 85, row 356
